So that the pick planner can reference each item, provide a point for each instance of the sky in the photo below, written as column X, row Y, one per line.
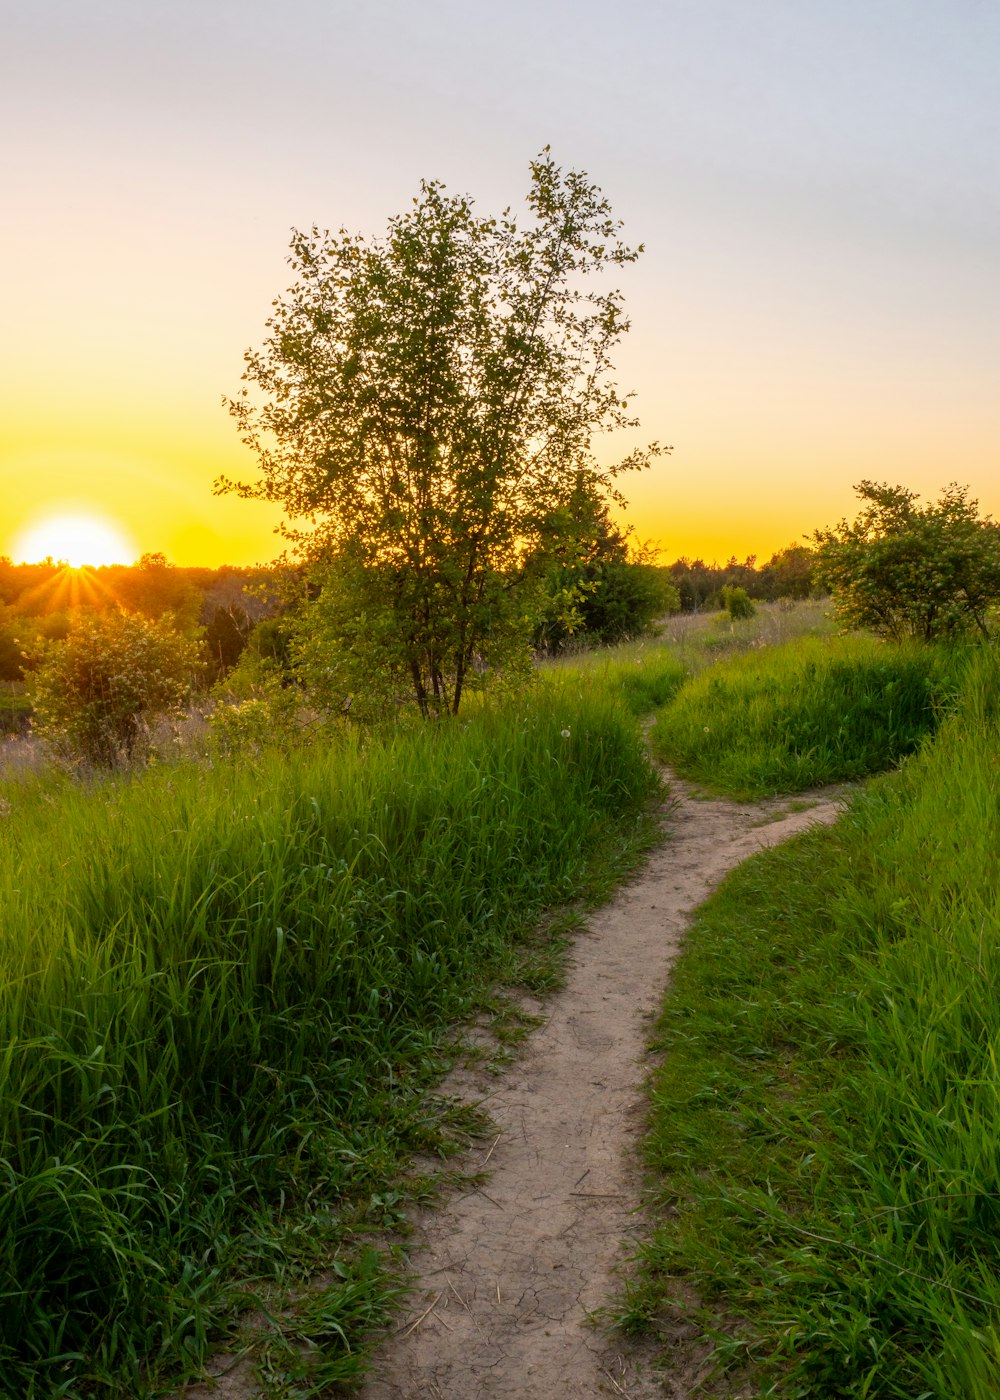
column 814, row 181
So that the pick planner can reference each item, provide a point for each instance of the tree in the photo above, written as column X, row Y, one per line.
column 426, row 400
column 592, row 583
column 789, row 572
column 737, row 603
column 157, row 589
column 97, row 691
column 908, row 570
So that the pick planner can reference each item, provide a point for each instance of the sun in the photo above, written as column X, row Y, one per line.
column 76, row 539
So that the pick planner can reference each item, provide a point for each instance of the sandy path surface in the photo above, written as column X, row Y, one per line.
column 508, row 1275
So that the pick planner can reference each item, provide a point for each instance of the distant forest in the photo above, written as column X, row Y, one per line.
column 220, row 606
column 225, row 606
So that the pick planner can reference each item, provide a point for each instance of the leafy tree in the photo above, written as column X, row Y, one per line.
column 789, row 573
column 97, row 691
column 226, row 634
column 426, row 401
column 700, row 585
column 737, row 602
column 11, row 646
column 591, row 587
column 906, row 570
column 157, row 589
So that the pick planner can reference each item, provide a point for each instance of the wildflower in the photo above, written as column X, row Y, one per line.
column 706, row 728
column 565, row 733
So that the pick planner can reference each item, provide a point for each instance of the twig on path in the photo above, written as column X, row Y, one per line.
column 458, row 1295
column 581, row 1176
column 490, row 1153
column 426, row 1312
column 614, row 1382
column 465, row 1305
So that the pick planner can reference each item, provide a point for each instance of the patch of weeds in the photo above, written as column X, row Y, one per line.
column 309, row 1348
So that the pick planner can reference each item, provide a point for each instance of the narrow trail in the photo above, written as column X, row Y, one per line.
column 509, row 1274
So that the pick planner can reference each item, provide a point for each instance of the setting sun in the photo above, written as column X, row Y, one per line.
column 74, row 539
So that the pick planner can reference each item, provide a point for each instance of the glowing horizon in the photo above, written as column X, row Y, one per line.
column 816, row 305
column 78, row 538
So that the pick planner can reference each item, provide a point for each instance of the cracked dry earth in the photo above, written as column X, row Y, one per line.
column 509, row 1274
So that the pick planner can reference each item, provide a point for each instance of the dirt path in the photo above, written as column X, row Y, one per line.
column 509, row 1274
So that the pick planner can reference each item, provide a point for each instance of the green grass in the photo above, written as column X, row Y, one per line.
column 697, row 640
column 701, row 639
column 15, row 710
column 224, row 995
column 804, row 714
column 646, row 675
column 825, row 1142
column 642, row 678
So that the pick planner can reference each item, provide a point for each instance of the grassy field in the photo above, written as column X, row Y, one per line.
column 224, row 993
column 647, row 674
column 227, row 990
column 809, row 712
column 824, row 1145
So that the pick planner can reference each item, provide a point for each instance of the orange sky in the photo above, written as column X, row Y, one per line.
column 815, row 186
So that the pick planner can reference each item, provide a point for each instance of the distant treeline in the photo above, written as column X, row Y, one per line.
column 224, row 607
column 220, row 606
column 787, row 574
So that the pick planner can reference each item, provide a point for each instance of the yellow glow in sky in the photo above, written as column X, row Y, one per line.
column 76, row 539
column 814, row 185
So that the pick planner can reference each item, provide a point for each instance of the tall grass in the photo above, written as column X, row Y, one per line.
column 825, row 1134
column 641, row 676
column 220, row 996
column 647, row 674
column 804, row 714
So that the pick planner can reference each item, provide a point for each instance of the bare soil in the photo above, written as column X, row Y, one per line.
column 510, row 1274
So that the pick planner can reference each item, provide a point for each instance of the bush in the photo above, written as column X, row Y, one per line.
column 909, row 571
column 97, row 691
column 737, row 604
column 254, row 709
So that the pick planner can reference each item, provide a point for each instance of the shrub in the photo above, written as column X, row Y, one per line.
column 256, row 711
column 737, row 604
column 96, row 692
column 909, row 571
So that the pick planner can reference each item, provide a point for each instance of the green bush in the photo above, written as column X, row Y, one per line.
column 905, row 570
column 97, row 692
column 737, row 603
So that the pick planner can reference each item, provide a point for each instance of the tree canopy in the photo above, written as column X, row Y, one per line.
column 903, row 569
column 595, row 584
column 422, row 404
